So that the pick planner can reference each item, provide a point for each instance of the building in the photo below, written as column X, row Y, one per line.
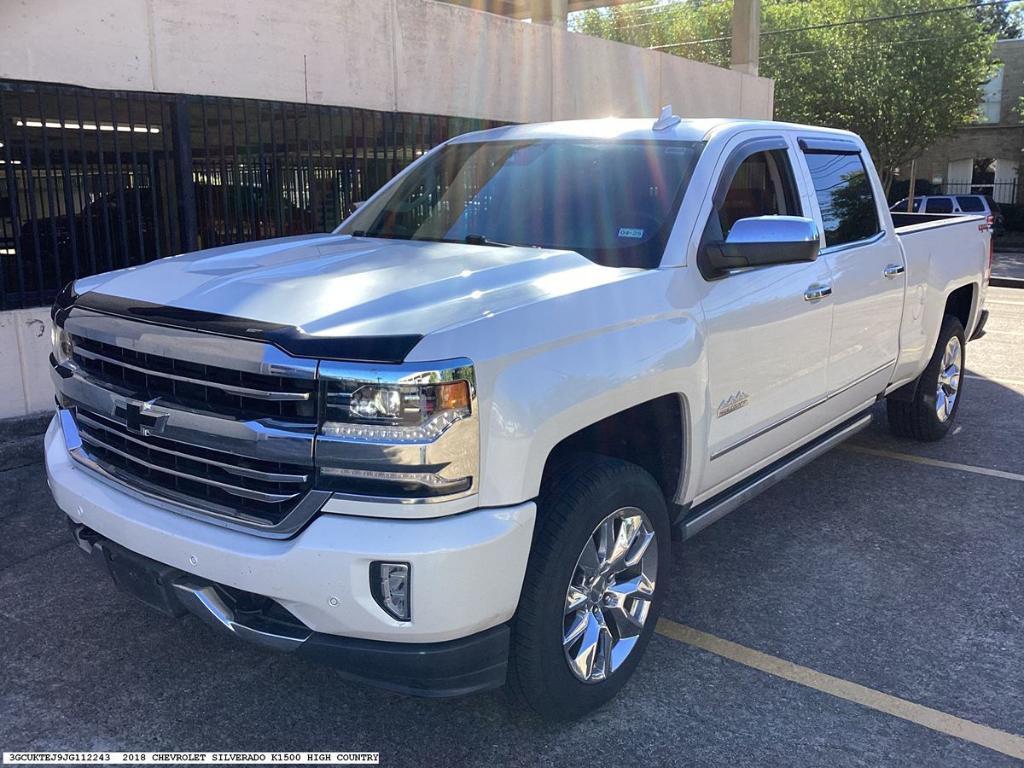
column 985, row 157
column 136, row 129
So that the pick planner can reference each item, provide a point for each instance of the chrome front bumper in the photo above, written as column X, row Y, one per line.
column 320, row 575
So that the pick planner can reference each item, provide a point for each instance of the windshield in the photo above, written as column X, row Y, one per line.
column 612, row 202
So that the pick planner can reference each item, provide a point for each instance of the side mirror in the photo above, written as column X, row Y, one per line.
column 763, row 240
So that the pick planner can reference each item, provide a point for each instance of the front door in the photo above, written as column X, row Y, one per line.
column 768, row 334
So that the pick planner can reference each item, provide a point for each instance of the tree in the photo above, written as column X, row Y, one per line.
column 1004, row 20
column 901, row 82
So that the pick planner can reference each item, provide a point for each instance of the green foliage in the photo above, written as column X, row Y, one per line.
column 1004, row 20
column 900, row 83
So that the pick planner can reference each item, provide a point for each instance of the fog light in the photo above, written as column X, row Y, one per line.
column 389, row 585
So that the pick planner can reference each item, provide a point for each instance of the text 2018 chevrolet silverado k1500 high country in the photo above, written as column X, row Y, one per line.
column 446, row 446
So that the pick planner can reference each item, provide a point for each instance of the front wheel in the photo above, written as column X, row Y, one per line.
column 930, row 413
column 591, row 595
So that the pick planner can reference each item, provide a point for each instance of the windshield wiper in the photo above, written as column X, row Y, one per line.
column 473, row 239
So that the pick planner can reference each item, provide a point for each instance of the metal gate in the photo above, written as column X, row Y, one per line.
column 97, row 180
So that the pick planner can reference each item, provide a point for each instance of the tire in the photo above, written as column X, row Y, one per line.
column 920, row 416
column 586, row 492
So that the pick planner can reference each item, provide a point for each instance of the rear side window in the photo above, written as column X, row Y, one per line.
column 971, row 204
column 845, row 197
column 939, row 205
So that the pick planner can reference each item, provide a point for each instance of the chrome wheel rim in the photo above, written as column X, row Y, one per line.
column 609, row 595
column 949, row 379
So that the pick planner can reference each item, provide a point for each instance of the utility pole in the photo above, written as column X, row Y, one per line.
column 746, row 35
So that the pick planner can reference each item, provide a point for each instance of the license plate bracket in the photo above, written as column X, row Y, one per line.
column 147, row 580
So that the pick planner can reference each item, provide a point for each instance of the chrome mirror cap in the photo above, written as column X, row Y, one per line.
column 793, row 230
column 761, row 241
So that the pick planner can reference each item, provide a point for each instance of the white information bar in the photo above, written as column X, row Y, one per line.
column 193, row 758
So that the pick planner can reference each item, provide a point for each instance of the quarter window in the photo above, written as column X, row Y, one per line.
column 845, row 196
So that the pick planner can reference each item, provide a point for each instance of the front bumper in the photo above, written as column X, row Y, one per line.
column 451, row 668
column 467, row 569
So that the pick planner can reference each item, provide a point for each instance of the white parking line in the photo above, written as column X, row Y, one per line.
column 934, row 462
column 1005, row 303
column 995, row 380
column 936, row 720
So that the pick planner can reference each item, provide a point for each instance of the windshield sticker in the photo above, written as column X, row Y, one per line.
column 633, row 234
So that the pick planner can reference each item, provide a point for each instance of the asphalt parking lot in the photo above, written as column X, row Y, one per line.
column 891, row 565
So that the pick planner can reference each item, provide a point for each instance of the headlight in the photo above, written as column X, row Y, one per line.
column 63, row 345
column 406, row 432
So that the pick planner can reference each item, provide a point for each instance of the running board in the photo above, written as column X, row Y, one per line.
column 713, row 510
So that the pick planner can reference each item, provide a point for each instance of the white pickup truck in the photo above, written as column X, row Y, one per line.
column 447, row 446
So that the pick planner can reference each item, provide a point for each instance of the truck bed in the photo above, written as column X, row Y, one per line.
column 909, row 223
column 942, row 252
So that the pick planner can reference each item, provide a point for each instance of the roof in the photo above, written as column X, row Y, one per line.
column 631, row 129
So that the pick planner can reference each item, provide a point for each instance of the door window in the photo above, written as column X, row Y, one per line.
column 845, row 196
column 939, row 205
column 762, row 185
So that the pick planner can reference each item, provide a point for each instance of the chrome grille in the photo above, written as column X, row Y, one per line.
column 198, row 386
column 261, row 493
column 227, row 425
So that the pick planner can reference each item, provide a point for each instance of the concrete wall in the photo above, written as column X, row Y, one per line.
column 403, row 55
column 24, row 368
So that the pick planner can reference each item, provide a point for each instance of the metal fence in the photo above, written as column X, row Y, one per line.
column 1000, row 191
column 98, row 180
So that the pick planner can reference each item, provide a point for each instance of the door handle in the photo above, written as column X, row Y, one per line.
column 817, row 292
column 892, row 270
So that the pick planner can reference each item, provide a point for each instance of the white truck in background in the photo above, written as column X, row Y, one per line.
column 447, row 446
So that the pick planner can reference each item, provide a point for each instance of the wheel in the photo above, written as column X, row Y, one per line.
column 590, row 598
column 930, row 413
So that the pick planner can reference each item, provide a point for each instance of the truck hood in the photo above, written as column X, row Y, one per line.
column 338, row 285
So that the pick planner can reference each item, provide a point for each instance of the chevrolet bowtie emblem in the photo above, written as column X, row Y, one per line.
column 142, row 418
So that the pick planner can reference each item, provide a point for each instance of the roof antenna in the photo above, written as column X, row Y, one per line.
column 666, row 119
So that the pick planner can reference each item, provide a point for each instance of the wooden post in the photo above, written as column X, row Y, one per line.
column 913, row 184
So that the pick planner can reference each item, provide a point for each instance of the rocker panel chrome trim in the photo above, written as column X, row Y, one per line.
column 714, row 510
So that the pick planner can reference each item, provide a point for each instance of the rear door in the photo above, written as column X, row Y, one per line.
column 768, row 333
column 867, row 265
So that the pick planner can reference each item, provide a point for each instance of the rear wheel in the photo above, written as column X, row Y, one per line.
column 590, row 598
column 930, row 413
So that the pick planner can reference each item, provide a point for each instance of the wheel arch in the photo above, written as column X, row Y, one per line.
column 961, row 302
column 652, row 434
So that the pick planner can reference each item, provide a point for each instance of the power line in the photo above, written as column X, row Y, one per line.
column 830, row 25
column 876, row 44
